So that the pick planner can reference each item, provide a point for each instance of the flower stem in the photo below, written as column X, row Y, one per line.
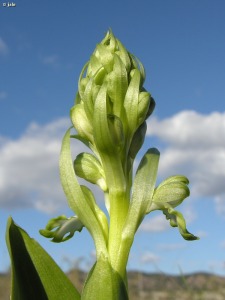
column 118, row 212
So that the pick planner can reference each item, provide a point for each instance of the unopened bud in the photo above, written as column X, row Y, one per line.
column 88, row 167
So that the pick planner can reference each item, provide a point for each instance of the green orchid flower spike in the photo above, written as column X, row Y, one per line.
column 109, row 117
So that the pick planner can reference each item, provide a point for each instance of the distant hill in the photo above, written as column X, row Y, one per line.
column 144, row 286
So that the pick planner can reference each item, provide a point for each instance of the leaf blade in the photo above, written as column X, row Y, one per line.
column 35, row 275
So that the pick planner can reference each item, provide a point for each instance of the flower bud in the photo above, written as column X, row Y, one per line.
column 137, row 140
column 116, row 131
column 143, row 106
column 120, row 75
column 171, row 191
column 81, row 122
column 88, row 167
column 150, row 108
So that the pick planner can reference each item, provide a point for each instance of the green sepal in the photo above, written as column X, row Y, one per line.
column 81, row 122
column 137, row 140
column 150, row 108
column 172, row 191
column 116, row 131
column 143, row 106
column 136, row 64
column 104, row 56
column 177, row 220
column 81, row 85
column 117, row 85
column 102, row 136
column 35, row 275
column 104, row 283
column 89, row 97
column 110, row 41
column 61, row 228
column 124, row 55
column 88, row 167
column 131, row 103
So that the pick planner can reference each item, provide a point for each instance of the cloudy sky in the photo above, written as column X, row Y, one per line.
column 43, row 47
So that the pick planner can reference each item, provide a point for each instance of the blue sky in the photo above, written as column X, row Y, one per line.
column 43, row 47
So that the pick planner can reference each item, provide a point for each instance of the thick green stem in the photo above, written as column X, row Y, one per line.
column 118, row 213
column 119, row 204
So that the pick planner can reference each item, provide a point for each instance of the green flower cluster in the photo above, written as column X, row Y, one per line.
column 109, row 116
column 110, row 111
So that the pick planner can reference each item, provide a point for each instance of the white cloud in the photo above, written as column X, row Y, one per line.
column 29, row 175
column 3, row 47
column 171, row 247
column 149, row 258
column 194, row 146
column 159, row 223
column 155, row 224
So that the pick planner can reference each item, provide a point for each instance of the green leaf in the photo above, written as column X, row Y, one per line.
column 76, row 198
column 35, row 275
column 143, row 188
column 104, row 283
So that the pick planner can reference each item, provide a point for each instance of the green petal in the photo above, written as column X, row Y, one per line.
column 137, row 140
column 61, row 229
column 105, row 57
column 131, row 102
column 93, row 66
column 175, row 179
column 81, row 122
column 150, row 108
column 81, row 85
column 138, row 65
column 102, row 135
column 88, row 167
column 143, row 106
column 117, row 85
column 124, row 55
column 177, row 220
column 171, row 191
column 88, row 101
column 116, row 131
